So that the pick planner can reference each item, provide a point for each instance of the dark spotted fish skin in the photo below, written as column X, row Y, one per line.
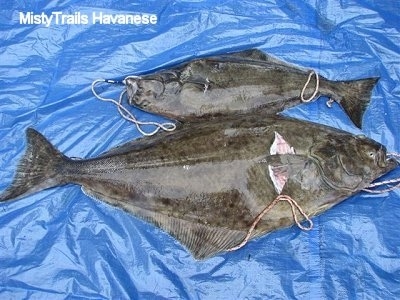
column 238, row 83
column 206, row 182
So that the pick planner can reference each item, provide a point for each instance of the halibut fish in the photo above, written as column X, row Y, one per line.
column 206, row 183
column 238, row 83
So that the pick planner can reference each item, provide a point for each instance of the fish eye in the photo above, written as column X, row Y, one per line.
column 371, row 154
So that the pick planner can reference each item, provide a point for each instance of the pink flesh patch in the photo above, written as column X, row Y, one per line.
column 279, row 174
column 280, row 146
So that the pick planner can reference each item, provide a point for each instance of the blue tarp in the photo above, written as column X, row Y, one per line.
column 61, row 244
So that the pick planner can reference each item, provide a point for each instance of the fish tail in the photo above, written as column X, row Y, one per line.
column 38, row 169
column 356, row 96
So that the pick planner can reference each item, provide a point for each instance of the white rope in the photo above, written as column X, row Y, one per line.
column 293, row 205
column 396, row 185
column 167, row 126
column 305, row 86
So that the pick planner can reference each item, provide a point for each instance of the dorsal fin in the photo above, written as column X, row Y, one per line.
column 255, row 56
column 252, row 54
column 140, row 143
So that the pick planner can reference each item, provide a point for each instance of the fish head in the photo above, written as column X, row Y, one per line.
column 153, row 93
column 338, row 168
column 351, row 162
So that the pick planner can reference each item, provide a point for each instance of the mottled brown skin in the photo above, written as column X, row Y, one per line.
column 206, row 182
column 238, row 83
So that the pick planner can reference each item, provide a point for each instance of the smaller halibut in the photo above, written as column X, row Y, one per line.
column 238, row 83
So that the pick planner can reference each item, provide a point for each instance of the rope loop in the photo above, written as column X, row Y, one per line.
column 127, row 115
column 316, row 90
column 293, row 205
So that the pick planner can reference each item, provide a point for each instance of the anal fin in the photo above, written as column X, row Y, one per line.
column 200, row 239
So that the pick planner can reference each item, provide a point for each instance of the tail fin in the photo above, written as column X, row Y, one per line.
column 356, row 96
column 37, row 169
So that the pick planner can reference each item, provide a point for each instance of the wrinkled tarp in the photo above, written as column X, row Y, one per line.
column 60, row 244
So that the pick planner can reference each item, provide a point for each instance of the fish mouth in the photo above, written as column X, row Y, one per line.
column 386, row 160
column 390, row 164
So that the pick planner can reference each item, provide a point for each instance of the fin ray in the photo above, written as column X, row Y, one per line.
column 201, row 240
